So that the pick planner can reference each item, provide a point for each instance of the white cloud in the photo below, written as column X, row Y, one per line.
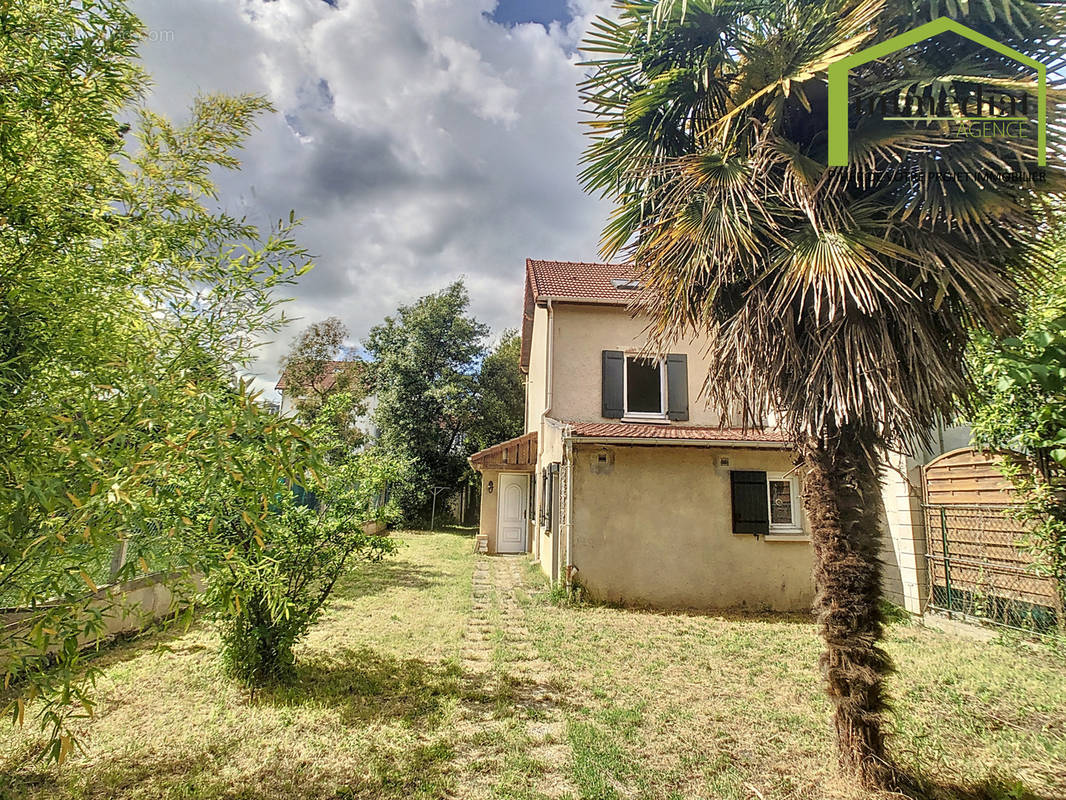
column 418, row 139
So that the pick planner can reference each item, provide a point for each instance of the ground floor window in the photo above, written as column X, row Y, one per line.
column 765, row 502
column 782, row 494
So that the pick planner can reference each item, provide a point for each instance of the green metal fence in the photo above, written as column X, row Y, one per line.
column 979, row 567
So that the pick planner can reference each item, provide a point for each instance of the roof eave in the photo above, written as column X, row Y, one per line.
column 592, row 301
column 657, row 440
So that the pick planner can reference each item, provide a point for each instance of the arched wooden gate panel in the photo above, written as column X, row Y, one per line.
column 978, row 565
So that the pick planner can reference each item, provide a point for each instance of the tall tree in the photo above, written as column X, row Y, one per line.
column 325, row 389
column 839, row 299
column 423, row 369
column 501, row 395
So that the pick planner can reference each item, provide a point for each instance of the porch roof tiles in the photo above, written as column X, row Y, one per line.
column 631, row 430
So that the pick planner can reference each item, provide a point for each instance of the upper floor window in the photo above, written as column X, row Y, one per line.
column 640, row 388
column 645, row 392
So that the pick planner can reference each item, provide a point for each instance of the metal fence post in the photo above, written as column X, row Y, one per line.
column 436, row 490
column 118, row 557
column 947, row 560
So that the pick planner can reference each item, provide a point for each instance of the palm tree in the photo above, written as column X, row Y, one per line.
column 841, row 300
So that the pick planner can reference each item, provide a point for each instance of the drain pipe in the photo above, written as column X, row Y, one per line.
column 549, row 357
column 568, row 465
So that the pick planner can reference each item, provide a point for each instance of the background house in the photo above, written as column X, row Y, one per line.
column 322, row 385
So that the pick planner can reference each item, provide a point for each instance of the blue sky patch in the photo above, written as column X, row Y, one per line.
column 514, row 12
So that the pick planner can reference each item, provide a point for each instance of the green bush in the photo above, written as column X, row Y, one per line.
column 271, row 593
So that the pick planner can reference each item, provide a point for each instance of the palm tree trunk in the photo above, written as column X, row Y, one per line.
column 842, row 498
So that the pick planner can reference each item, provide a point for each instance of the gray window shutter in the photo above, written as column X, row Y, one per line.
column 614, row 364
column 533, row 497
column 553, row 496
column 543, row 516
column 677, row 386
column 751, row 511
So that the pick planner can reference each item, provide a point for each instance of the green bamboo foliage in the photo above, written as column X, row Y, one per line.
column 128, row 304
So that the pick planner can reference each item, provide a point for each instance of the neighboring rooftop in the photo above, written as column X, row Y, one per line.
column 328, row 377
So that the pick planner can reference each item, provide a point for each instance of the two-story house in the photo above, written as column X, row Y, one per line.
column 625, row 481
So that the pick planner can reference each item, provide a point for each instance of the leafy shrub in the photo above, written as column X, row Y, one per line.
column 275, row 587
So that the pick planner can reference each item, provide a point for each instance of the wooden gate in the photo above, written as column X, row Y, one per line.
column 978, row 563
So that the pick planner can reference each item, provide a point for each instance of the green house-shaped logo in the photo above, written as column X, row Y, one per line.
column 838, row 81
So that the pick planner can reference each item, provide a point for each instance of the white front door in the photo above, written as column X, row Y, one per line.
column 513, row 510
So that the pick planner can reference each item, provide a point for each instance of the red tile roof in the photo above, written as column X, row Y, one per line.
column 329, row 375
column 632, row 430
column 574, row 282
column 581, row 281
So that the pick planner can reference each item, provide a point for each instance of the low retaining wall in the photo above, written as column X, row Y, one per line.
column 125, row 607
column 129, row 606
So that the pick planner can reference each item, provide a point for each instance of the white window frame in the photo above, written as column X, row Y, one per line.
column 643, row 416
column 793, row 530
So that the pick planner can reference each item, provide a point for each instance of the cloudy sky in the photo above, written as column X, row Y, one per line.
column 420, row 140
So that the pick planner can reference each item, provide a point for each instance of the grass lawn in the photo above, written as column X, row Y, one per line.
column 621, row 704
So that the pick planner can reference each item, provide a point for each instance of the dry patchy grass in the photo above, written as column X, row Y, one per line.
column 378, row 682
column 653, row 706
column 690, row 705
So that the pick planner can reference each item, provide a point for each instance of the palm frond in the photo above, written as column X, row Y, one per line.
column 835, row 296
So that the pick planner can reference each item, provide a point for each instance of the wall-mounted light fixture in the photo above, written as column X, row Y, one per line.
column 489, row 488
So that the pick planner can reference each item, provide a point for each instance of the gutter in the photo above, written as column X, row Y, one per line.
column 583, row 301
column 652, row 440
column 550, row 366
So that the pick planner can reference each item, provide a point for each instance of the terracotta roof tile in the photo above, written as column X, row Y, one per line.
column 580, row 280
column 328, row 377
column 631, row 430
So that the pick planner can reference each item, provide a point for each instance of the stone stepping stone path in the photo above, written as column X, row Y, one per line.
column 511, row 694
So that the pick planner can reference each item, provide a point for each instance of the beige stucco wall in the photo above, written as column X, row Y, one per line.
column 656, row 529
column 547, row 547
column 489, row 507
column 536, row 383
column 582, row 333
column 905, row 573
